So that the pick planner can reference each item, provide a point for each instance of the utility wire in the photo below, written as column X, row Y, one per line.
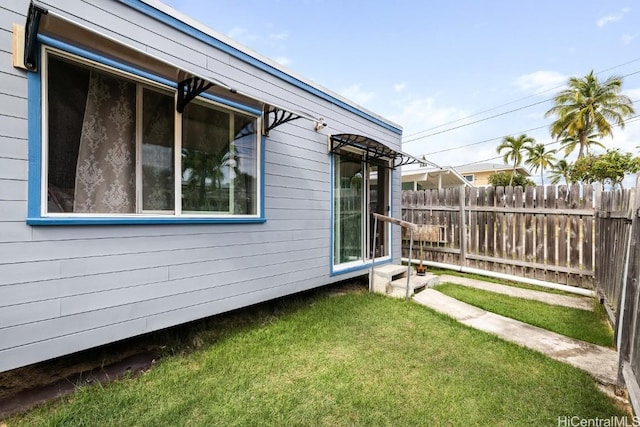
column 474, row 122
column 500, row 106
column 631, row 119
column 482, row 142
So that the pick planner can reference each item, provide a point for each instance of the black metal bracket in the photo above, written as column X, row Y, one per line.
column 371, row 150
column 188, row 89
column 31, row 36
column 280, row 117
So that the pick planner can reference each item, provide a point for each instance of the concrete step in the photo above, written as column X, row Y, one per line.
column 390, row 271
column 398, row 287
column 384, row 274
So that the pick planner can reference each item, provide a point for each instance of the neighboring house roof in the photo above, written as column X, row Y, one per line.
column 443, row 177
column 490, row 167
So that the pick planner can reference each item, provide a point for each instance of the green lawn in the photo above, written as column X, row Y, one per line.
column 590, row 326
column 350, row 360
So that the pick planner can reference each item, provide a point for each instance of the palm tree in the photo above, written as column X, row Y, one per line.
column 560, row 170
column 588, row 106
column 513, row 149
column 539, row 158
column 569, row 143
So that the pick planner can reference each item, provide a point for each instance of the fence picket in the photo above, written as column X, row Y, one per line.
column 473, row 248
column 529, row 245
column 540, row 238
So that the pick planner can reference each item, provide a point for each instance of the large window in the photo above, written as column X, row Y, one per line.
column 115, row 145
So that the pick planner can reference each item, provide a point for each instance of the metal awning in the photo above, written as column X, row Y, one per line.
column 374, row 150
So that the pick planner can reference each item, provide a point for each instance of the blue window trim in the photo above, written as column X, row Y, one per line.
column 34, row 206
column 334, row 269
column 212, row 41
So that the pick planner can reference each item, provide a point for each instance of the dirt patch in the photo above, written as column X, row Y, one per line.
column 28, row 398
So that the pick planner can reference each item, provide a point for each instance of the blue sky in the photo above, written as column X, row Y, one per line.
column 429, row 66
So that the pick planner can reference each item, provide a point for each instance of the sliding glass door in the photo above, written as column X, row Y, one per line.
column 348, row 199
column 360, row 188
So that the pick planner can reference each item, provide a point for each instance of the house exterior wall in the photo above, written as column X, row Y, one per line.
column 481, row 173
column 68, row 288
column 481, row 178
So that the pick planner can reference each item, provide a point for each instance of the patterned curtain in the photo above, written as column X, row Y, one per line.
column 105, row 172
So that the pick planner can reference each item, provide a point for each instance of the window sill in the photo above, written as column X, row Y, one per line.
column 142, row 220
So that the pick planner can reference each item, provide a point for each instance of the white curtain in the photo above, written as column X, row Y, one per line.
column 105, row 172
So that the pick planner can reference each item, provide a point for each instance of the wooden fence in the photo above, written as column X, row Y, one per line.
column 613, row 231
column 545, row 233
column 617, row 276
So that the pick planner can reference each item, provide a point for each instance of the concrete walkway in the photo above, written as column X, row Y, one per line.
column 582, row 303
column 600, row 362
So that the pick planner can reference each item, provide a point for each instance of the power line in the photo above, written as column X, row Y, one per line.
column 474, row 122
column 631, row 119
column 482, row 142
column 503, row 105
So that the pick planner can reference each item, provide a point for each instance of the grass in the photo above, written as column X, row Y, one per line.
column 589, row 326
column 353, row 359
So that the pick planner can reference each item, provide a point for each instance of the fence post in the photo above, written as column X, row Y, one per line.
column 628, row 312
column 463, row 228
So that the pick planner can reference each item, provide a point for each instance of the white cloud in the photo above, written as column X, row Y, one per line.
column 612, row 17
column 279, row 36
column 424, row 113
column 608, row 19
column 399, row 87
column 356, row 94
column 628, row 38
column 241, row 35
column 540, row 81
column 632, row 93
column 420, row 117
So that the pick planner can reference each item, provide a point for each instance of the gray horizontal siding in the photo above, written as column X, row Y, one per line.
column 13, row 148
column 64, row 289
column 68, row 324
column 13, row 84
column 282, row 191
column 16, row 231
column 13, row 190
column 47, row 290
column 13, row 127
column 73, row 253
column 52, row 347
column 15, row 8
column 12, row 211
column 13, row 168
column 13, row 106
